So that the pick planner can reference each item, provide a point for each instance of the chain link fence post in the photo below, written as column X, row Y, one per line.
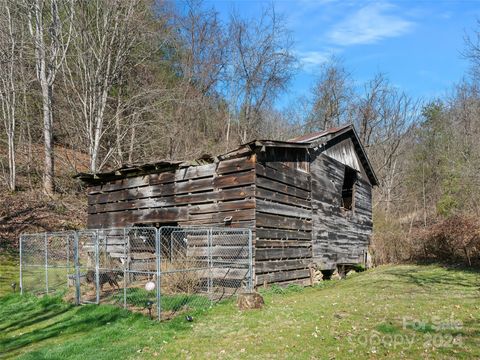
column 21, row 270
column 46, row 261
column 250, row 261
column 158, row 234
column 125, row 265
column 97, row 268
column 209, row 263
column 68, row 256
column 77, row 268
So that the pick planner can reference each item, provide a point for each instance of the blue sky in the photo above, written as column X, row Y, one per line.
column 417, row 44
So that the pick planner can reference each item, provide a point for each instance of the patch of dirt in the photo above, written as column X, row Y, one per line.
column 31, row 211
column 28, row 210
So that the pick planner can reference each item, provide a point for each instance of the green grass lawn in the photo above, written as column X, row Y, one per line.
column 390, row 312
column 9, row 269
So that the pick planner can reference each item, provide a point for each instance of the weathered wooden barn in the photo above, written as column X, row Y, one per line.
column 308, row 201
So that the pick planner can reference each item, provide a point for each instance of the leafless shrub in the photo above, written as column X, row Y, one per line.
column 455, row 240
column 178, row 277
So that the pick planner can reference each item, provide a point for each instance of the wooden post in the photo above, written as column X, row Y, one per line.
column 468, row 256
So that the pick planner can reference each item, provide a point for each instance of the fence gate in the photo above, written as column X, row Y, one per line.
column 86, row 277
column 47, row 261
column 159, row 272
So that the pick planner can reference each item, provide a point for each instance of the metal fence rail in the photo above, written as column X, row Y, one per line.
column 157, row 271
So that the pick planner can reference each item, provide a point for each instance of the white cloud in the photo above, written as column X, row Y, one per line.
column 311, row 60
column 313, row 57
column 370, row 24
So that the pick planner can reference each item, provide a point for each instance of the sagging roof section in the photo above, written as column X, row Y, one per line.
column 324, row 138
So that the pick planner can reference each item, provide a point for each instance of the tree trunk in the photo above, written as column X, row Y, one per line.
column 11, row 160
column 132, row 145
column 48, row 177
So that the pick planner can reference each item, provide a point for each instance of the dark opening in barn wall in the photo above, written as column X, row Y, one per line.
column 348, row 188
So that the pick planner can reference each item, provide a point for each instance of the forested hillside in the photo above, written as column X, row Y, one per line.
column 88, row 86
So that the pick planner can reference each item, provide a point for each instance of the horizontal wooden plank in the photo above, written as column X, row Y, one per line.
column 282, row 234
column 244, row 224
column 143, row 256
column 273, row 185
column 114, row 248
column 280, row 265
column 219, row 217
column 281, row 222
column 226, row 273
column 283, row 276
column 282, row 253
column 234, row 180
column 186, row 199
column 260, row 243
column 166, row 215
column 225, row 239
column 279, row 166
column 191, row 172
column 266, row 194
column 282, row 177
column 222, row 206
column 283, row 209
column 126, row 218
column 126, row 183
column 119, row 241
column 227, row 252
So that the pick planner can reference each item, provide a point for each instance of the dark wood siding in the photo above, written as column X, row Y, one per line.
column 194, row 195
column 339, row 236
column 283, row 222
column 293, row 208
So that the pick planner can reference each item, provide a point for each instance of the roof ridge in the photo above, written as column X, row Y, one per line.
column 317, row 134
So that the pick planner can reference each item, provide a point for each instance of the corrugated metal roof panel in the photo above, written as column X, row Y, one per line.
column 319, row 134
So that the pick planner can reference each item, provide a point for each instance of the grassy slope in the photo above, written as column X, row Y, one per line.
column 334, row 320
column 9, row 269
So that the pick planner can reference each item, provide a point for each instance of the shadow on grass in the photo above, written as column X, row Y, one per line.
column 427, row 277
column 67, row 321
column 34, row 318
column 15, row 307
column 29, row 321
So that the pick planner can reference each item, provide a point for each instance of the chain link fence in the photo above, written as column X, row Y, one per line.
column 160, row 272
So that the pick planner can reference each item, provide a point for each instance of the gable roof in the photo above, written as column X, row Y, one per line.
column 326, row 139
column 333, row 136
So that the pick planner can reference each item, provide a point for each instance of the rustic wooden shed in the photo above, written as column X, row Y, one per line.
column 308, row 201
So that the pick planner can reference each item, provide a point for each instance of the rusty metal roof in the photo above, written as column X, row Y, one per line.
column 319, row 134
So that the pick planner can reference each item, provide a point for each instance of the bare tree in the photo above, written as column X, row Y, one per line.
column 11, row 81
column 472, row 51
column 332, row 97
column 50, row 25
column 262, row 64
column 384, row 116
column 202, row 45
column 103, row 37
column 370, row 106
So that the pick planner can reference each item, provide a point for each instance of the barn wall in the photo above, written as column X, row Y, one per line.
column 283, row 222
column 196, row 195
column 339, row 236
